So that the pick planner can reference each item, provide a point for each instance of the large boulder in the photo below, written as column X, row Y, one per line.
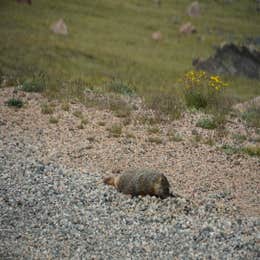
column 232, row 60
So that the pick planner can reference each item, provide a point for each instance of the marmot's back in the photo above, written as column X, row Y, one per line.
column 143, row 182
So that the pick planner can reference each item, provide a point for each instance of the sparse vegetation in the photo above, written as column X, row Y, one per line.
column 81, row 126
column 130, row 135
column 239, row 138
column 175, row 137
column 252, row 116
column 84, row 121
column 127, row 121
column 47, row 109
column 207, row 123
column 119, row 107
column 153, row 130
column 91, row 139
column 36, row 84
column 115, row 130
column 14, row 102
column 101, row 123
column 118, row 86
column 78, row 114
column 53, row 120
column 209, row 141
column 155, row 139
column 65, row 106
column 252, row 150
column 165, row 102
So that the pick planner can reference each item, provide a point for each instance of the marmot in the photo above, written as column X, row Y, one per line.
column 140, row 182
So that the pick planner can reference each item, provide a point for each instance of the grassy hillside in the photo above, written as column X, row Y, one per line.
column 112, row 39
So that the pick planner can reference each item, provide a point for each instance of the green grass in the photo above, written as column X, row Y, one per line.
column 249, row 150
column 115, row 130
column 53, row 120
column 14, row 102
column 47, row 109
column 111, row 39
column 207, row 123
column 252, row 116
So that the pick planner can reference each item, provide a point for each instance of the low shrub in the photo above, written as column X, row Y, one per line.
column 115, row 130
column 14, row 102
column 204, row 91
column 252, row 116
column 165, row 102
column 53, row 120
column 121, row 87
column 47, row 109
column 36, row 84
column 207, row 123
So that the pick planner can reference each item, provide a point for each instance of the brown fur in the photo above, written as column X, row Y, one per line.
column 140, row 182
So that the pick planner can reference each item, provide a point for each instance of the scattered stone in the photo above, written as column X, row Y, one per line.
column 187, row 28
column 59, row 27
column 232, row 60
column 193, row 9
column 157, row 36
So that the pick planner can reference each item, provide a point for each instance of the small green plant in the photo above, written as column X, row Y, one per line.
column 252, row 150
column 239, row 138
column 14, row 102
column 36, row 84
column 196, row 138
column 81, row 126
column 207, row 123
column 120, row 87
column 153, row 130
column 176, row 137
column 101, row 123
column 130, row 135
column 91, row 139
column 53, row 120
column 126, row 121
column 229, row 149
column 47, row 109
column 155, row 139
column 84, row 121
column 65, row 106
column 115, row 130
column 252, row 116
column 165, row 102
column 78, row 114
column 209, row 141
column 119, row 107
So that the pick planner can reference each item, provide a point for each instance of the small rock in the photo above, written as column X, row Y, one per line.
column 59, row 27
column 157, row 36
column 187, row 28
column 194, row 9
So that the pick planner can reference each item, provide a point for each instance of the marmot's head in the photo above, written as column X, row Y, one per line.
column 111, row 180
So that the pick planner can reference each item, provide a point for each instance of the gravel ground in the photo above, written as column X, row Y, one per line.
column 53, row 205
column 48, row 211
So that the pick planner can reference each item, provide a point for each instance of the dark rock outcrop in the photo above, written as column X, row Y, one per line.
column 232, row 60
